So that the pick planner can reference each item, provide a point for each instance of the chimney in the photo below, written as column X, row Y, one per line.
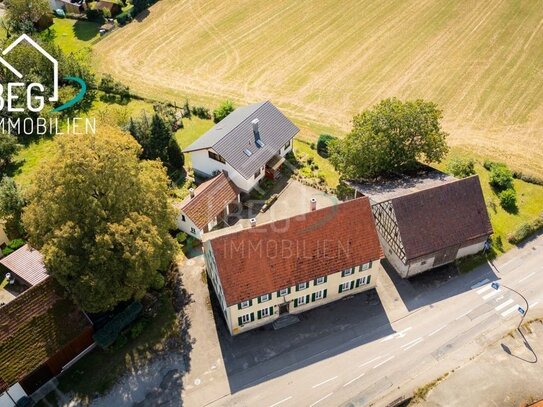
column 313, row 204
column 252, row 222
column 191, row 191
column 255, row 129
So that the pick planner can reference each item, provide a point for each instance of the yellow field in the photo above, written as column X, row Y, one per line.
column 325, row 60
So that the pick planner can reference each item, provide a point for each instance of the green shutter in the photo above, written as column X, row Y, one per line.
column 325, row 279
column 352, row 285
column 271, row 311
column 315, row 282
column 369, row 278
column 239, row 305
column 343, row 274
column 307, row 299
column 370, row 264
column 258, row 299
column 340, row 288
column 259, row 314
column 239, row 321
column 324, row 293
column 252, row 316
column 250, row 303
column 357, row 283
column 295, row 302
column 288, row 290
column 313, row 297
column 297, row 289
column 278, row 293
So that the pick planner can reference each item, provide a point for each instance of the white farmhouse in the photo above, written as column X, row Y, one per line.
column 248, row 145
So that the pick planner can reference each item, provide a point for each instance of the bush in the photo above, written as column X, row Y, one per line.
column 181, row 237
column 508, row 200
column 94, row 15
column 488, row 164
column 201, row 112
column 525, row 230
column 124, row 18
column 158, row 282
column 501, row 177
column 12, row 246
column 322, row 144
column 137, row 329
column 529, row 178
column 461, row 167
column 223, row 110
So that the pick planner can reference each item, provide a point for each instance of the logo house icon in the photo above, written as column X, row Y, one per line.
column 18, row 74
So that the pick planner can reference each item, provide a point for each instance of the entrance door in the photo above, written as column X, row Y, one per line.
column 283, row 308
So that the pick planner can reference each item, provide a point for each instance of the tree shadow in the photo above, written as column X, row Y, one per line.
column 85, row 30
column 142, row 16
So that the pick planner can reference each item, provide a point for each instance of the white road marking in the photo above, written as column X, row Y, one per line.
column 510, row 310
column 504, row 304
column 526, row 277
column 383, row 362
column 463, row 315
column 399, row 334
column 413, row 341
column 319, row 400
column 534, row 304
column 373, row 360
column 326, row 381
column 480, row 283
column 508, row 262
column 438, row 329
column 282, row 401
column 485, row 288
column 414, row 344
column 351, row 381
column 492, row 294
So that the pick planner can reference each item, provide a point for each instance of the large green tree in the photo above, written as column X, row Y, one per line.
column 11, row 206
column 391, row 137
column 8, row 147
column 101, row 218
column 22, row 14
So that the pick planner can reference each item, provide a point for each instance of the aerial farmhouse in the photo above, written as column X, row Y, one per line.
column 434, row 226
column 289, row 266
column 247, row 145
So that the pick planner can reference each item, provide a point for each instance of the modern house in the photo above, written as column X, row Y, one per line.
column 434, row 226
column 41, row 335
column 248, row 145
column 207, row 205
column 289, row 266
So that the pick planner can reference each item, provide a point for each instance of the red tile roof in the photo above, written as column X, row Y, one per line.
column 446, row 215
column 210, row 199
column 27, row 264
column 266, row 258
column 35, row 326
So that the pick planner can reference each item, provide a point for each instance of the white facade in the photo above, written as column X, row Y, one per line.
column 185, row 224
column 16, row 393
column 263, row 310
column 206, row 166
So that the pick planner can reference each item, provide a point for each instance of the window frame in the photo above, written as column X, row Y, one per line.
column 347, row 272
column 214, row 156
column 346, row 284
column 304, row 302
column 280, row 294
column 242, row 306
column 320, row 280
column 306, row 286
column 265, row 309
column 365, row 266
column 317, row 293
column 243, row 318
column 261, row 298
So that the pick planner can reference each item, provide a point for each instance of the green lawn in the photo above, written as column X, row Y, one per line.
column 529, row 201
column 73, row 36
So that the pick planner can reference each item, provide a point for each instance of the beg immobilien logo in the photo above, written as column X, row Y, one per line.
column 35, row 97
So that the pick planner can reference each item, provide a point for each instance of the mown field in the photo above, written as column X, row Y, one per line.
column 323, row 61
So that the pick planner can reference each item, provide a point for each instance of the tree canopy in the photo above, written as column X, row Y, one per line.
column 223, row 110
column 11, row 206
column 22, row 14
column 101, row 219
column 391, row 137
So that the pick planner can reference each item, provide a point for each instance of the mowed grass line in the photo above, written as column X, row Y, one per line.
column 323, row 62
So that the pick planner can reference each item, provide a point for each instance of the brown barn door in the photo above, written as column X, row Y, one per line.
column 447, row 255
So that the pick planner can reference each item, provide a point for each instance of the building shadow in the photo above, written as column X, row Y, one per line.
column 438, row 284
column 263, row 354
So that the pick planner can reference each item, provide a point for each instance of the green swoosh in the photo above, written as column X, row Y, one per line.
column 77, row 97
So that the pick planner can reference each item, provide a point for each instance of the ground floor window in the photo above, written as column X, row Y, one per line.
column 346, row 286
column 363, row 281
column 245, row 319
column 319, row 295
column 265, row 312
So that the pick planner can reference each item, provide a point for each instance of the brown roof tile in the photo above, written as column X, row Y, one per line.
column 210, row 199
column 33, row 327
column 284, row 253
column 446, row 215
column 27, row 264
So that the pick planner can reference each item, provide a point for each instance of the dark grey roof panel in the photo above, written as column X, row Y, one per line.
column 234, row 134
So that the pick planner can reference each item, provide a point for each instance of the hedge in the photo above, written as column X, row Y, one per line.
column 526, row 230
column 108, row 334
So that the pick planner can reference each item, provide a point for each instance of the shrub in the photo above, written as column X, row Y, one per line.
column 223, row 110
column 529, row 178
column 508, row 200
column 322, row 144
column 12, row 246
column 181, row 237
column 137, row 329
column 158, row 282
column 461, row 167
column 501, row 177
column 124, row 18
column 201, row 112
column 488, row 164
column 525, row 230
column 94, row 15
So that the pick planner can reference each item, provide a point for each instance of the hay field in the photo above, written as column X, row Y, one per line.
column 325, row 60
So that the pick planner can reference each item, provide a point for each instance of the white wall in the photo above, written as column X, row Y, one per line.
column 471, row 249
column 393, row 258
column 16, row 392
column 187, row 225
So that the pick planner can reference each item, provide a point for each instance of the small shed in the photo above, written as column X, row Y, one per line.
column 113, row 7
column 26, row 264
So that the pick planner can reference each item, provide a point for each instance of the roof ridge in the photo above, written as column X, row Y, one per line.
column 444, row 184
column 243, row 121
column 212, row 182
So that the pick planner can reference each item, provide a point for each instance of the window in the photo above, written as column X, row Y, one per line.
column 347, row 272
column 264, row 298
column 319, row 295
column 283, row 291
column 286, row 146
column 245, row 304
column 365, row 266
column 257, row 174
column 320, row 280
column 345, row 286
column 301, row 300
column 246, row 318
column 216, row 157
column 265, row 312
column 363, row 281
column 183, row 218
column 193, row 230
column 301, row 286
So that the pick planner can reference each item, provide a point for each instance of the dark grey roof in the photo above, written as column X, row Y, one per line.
column 234, row 134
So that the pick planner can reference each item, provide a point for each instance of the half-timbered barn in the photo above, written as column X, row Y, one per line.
column 433, row 227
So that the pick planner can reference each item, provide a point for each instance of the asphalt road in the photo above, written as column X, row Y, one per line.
column 443, row 328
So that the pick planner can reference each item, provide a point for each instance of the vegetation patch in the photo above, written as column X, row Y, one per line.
column 421, row 393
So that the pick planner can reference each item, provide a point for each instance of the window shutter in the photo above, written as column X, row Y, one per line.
column 252, row 316
column 240, row 323
column 250, row 303
column 296, row 302
column 239, row 305
column 271, row 311
column 315, row 282
column 352, row 285
column 258, row 299
column 357, row 282
column 324, row 293
column 278, row 293
column 353, row 270
column 307, row 299
column 259, row 314
column 340, row 288
column 343, row 274
column 297, row 287
column 313, row 297
column 288, row 290
column 368, row 280
column 370, row 264
column 360, row 267
column 325, row 279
